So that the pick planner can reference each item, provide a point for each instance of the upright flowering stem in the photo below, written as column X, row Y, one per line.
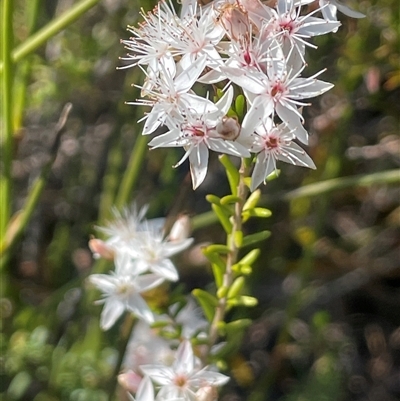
column 232, row 256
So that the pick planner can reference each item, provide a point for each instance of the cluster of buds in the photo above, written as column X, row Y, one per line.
column 257, row 48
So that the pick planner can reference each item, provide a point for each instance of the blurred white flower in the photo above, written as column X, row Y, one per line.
column 121, row 291
column 183, row 378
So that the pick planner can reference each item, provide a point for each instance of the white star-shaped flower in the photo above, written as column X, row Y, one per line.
column 121, row 291
column 183, row 378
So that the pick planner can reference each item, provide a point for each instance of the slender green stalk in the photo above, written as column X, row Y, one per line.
column 6, row 138
column 232, row 255
column 132, row 172
column 23, row 70
column 49, row 30
column 18, row 224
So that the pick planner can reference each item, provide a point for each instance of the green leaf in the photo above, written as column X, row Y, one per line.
column 216, row 248
column 252, row 201
column 218, row 272
column 238, row 238
column 256, row 212
column 213, row 199
column 250, row 258
column 207, row 301
column 239, row 106
column 229, row 199
column 231, row 172
column 236, row 287
column 223, row 217
column 254, row 238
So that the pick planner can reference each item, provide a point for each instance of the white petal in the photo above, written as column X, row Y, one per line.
column 112, row 310
column 146, row 282
column 139, row 307
column 160, row 374
column 198, row 164
column 104, row 282
column 184, row 362
column 166, row 269
column 145, row 391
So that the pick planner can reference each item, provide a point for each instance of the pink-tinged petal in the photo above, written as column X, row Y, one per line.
column 198, row 103
column 169, row 139
column 160, row 374
column 265, row 165
column 166, row 269
column 261, row 108
column 225, row 102
column 146, row 282
column 304, row 88
column 317, row 26
column 198, row 164
column 292, row 120
column 252, row 81
column 188, row 77
column 184, row 359
column 146, row 390
column 103, row 282
column 298, row 156
column 139, row 307
column 208, row 377
column 112, row 310
column 154, row 119
column 172, row 248
column 348, row 11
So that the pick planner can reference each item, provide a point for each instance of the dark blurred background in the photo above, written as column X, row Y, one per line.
column 327, row 326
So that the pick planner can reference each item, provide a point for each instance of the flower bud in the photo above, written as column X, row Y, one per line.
column 235, row 21
column 207, row 393
column 181, row 228
column 228, row 128
column 129, row 381
column 100, row 249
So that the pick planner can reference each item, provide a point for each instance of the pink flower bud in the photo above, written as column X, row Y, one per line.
column 235, row 21
column 129, row 381
column 207, row 393
column 181, row 229
column 228, row 128
column 100, row 249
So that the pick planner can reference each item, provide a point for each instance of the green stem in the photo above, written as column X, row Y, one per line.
column 49, row 30
column 24, row 69
column 232, row 255
column 132, row 172
column 6, row 138
column 18, row 224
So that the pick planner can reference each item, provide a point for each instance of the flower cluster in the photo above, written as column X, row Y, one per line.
column 141, row 253
column 258, row 48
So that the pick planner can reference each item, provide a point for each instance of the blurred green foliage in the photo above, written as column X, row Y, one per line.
column 311, row 336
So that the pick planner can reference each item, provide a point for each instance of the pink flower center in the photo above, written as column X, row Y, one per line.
column 277, row 90
column 287, row 25
column 180, row 380
column 272, row 142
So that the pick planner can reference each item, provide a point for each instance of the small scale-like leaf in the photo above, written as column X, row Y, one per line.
column 253, row 200
column 239, row 106
column 231, row 172
column 229, row 199
column 238, row 238
column 207, row 301
column 213, row 199
column 236, row 287
column 216, row 248
column 223, row 217
column 254, row 238
column 250, row 258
